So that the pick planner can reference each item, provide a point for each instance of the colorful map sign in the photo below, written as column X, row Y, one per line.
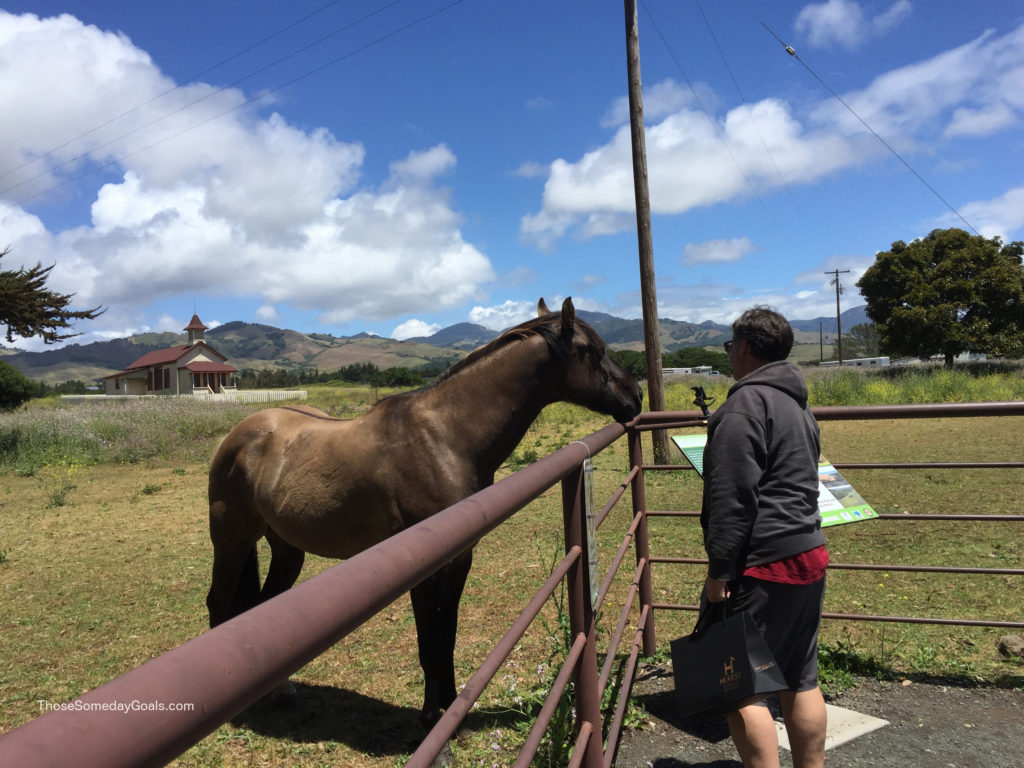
column 838, row 502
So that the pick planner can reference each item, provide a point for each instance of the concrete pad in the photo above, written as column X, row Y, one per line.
column 843, row 725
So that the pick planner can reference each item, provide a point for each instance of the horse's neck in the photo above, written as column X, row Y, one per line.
column 494, row 401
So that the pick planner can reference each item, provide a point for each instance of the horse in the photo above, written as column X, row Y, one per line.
column 334, row 487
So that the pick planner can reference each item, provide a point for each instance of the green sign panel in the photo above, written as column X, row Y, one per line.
column 838, row 501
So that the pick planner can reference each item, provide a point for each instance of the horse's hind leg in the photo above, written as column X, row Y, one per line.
column 435, row 604
column 235, row 586
column 285, row 566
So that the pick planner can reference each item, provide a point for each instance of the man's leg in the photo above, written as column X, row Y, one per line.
column 753, row 731
column 805, row 717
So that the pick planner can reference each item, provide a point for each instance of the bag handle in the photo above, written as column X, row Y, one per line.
column 710, row 613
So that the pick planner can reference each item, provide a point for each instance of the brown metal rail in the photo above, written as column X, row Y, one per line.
column 231, row 666
column 228, row 668
column 650, row 421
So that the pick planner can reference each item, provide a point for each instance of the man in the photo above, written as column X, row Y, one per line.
column 762, row 531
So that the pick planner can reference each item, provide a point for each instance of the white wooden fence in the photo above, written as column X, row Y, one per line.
column 228, row 396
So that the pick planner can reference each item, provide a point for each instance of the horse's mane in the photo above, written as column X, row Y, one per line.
column 544, row 326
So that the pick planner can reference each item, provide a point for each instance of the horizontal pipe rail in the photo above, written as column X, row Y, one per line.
column 924, row 411
column 683, row 419
column 882, row 516
column 873, row 567
column 932, row 465
column 868, row 617
column 832, row 413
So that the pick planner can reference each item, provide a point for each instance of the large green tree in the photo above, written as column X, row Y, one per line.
column 947, row 293
column 29, row 309
column 861, row 341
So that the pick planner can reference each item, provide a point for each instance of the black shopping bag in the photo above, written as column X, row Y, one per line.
column 721, row 663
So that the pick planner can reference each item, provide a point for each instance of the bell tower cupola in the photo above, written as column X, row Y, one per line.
column 196, row 330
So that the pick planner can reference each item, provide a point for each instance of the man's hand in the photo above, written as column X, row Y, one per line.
column 716, row 589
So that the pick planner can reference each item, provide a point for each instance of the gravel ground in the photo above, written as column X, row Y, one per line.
column 931, row 725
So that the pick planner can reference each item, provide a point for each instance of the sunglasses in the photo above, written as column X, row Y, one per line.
column 728, row 345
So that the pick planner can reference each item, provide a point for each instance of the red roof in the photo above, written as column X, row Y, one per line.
column 159, row 357
column 169, row 355
column 202, row 366
column 195, row 324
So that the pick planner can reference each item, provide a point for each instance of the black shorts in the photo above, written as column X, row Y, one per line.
column 788, row 616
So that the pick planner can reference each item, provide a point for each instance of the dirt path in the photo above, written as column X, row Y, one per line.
column 931, row 725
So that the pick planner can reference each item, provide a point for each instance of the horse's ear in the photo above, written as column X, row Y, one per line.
column 542, row 308
column 568, row 317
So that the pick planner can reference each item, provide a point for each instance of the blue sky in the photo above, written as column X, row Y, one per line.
column 397, row 167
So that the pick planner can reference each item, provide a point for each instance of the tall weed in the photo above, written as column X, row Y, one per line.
column 925, row 384
column 114, row 432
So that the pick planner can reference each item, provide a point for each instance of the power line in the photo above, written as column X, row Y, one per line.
column 792, row 52
column 750, row 113
column 714, row 125
column 247, row 102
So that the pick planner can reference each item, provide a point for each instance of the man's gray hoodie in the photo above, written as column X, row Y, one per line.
column 761, row 473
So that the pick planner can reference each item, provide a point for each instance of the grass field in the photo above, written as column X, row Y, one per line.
column 105, row 563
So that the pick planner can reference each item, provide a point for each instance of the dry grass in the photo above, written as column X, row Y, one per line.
column 117, row 571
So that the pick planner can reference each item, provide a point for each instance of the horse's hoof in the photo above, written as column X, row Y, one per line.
column 284, row 696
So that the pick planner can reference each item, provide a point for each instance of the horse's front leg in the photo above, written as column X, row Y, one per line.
column 435, row 604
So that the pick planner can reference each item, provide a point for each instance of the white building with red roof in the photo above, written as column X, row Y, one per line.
column 181, row 370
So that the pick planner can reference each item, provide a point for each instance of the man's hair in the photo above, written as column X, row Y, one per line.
column 767, row 332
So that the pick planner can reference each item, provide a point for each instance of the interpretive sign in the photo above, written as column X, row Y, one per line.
column 838, row 501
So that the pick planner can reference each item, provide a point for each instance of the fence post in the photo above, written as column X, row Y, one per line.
column 581, row 617
column 643, row 549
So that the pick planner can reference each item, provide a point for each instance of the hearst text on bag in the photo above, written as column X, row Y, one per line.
column 721, row 663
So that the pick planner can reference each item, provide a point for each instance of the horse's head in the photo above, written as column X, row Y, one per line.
column 592, row 378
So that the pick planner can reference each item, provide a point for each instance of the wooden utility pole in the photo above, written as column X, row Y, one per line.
column 839, row 327
column 648, row 294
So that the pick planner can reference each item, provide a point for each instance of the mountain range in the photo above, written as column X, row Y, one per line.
column 253, row 345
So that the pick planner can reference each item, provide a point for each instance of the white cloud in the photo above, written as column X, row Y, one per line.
column 661, row 99
column 980, row 122
column 842, row 22
column 967, row 88
column 531, row 170
column 267, row 313
column 167, row 324
column 1002, row 216
column 414, row 328
column 717, row 251
column 693, row 162
column 424, row 166
column 240, row 205
column 506, row 315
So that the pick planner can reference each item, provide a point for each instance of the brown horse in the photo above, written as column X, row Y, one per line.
column 311, row 483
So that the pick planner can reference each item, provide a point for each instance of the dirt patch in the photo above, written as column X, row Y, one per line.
column 931, row 725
